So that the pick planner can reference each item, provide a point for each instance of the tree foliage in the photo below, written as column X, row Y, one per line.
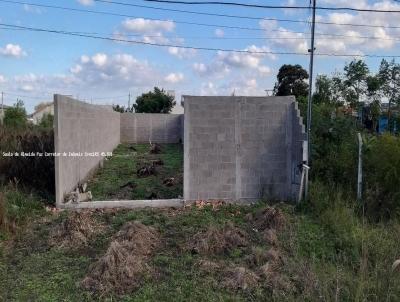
column 292, row 81
column 15, row 117
column 355, row 77
column 46, row 121
column 157, row 101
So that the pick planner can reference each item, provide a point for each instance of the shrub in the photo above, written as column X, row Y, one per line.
column 47, row 121
column 16, row 207
column 382, row 177
column 36, row 172
column 15, row 117
column 334, row 147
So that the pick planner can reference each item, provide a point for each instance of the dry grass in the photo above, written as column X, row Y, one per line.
column 75, row 231
column 125, row 264
column 217, row 240
column 239, row 278
column 267, row 218
column 3, row 214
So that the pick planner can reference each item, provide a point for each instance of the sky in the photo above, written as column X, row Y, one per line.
column 35, row 65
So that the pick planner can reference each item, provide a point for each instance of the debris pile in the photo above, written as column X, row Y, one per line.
column 217, row 240
column 79, row 195
column 76, row 230
column 155, row 148
column 146, row 171
column 126, row 261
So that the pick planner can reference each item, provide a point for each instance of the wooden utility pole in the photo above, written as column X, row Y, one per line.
column 309, row 105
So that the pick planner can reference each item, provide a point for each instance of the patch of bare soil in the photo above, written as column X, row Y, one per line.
column 75, row 231
column 125, row 263
column 217, row 240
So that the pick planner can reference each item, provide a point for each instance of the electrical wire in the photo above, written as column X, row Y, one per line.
column 331, row 36
column 190, row 12
column 272, row 6
column 35, row 29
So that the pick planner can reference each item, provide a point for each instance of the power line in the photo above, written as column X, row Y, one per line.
column 272, row 6
column 245, row 17
column 191, row 12
column 194, row 47
column 130, row 16
column 331, row 36
column 25, row 96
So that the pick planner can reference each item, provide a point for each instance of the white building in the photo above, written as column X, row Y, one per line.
column 2, row 112
column 38, row 114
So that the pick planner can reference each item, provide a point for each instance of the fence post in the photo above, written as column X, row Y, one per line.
column 359, row 176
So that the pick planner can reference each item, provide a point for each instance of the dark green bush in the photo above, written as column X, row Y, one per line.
column 382, row 176
column 36, row 172
column 334, row 147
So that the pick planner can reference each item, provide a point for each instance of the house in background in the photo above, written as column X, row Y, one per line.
column 43, row 109
column 3, row 108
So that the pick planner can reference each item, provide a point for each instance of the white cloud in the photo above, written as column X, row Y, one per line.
column 76, row 69
column 32, row 9
column 242, row 85
column 99, row 59
column 219, row 33
column 146, row 30
column 2, row 79
column 12, row 50
column 251, row 58
column 174, row 78
column 86, row 2
column 182, row 53
column 347, row 39
column 146, row 26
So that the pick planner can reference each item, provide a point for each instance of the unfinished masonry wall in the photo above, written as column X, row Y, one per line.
column 157, row 128
column 242, row 148
column 81, row 133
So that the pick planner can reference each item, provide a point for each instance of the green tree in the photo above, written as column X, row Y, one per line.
column 355, row 77
column 46, row 121
column 157, row 101
column 389, row 76
column 119, row 108
column 328, row 90
column 15, row 117
column 292, row 81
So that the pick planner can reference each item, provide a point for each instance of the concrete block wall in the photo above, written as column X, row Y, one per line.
column 81, row 128
column 157, row 128
column 240, row 148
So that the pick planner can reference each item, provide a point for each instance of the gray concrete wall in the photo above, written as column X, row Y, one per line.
column 157, row 128
column 79, row 128
column 241, row 148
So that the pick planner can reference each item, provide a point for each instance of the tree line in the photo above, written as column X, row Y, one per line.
column 355, row 87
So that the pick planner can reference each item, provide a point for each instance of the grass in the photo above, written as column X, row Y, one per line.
column 329, row 254
column 108, row 183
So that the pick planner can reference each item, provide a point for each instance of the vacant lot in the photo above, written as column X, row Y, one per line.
column 203, row 253
column 134, row 172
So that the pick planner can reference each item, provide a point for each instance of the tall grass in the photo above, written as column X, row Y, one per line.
column 17, row 207
column 352, row 257
column 34, row 172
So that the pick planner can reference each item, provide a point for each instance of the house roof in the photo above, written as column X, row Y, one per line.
column 41, row 109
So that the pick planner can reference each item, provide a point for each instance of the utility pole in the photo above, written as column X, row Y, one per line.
column 2, row 106
column 309, row 106
column 129, row 101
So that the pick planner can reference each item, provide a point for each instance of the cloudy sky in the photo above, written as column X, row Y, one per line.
column 34, row 64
